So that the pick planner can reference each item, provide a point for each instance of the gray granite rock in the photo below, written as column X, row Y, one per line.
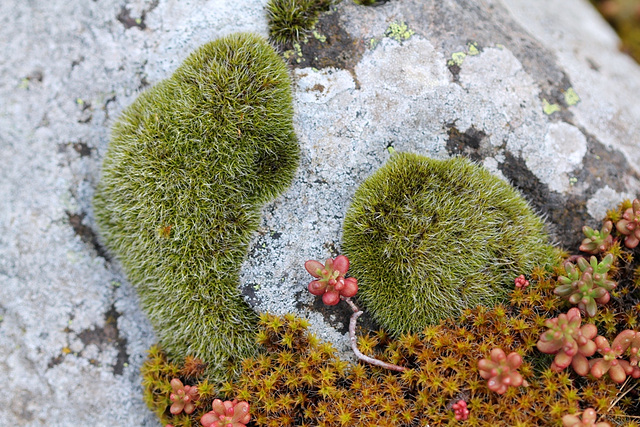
column 535, row 91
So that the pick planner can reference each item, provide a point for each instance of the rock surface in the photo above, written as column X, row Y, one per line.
column 535, row 91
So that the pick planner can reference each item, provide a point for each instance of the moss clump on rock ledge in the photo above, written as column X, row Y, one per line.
column 189, row 166
column 292, row 20
column 429, row 238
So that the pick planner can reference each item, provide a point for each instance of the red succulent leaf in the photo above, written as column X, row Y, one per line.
column 316, row 287
column 350, row 287
column 314, row 268
column 341, row 263
column 331, row 298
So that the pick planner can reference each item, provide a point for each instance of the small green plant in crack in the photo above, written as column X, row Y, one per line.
column 190, row 164
column 290, row 21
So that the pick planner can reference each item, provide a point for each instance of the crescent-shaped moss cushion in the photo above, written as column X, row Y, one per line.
column 189, row 166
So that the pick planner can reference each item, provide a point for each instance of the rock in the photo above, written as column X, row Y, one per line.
column 535, row 91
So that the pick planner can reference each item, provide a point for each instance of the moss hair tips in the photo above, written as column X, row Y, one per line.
column 189, row 166
column 428, row 238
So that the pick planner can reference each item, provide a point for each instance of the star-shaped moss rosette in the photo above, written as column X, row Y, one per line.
column 629, row 225
column 586, row 284
column 331, row 283
column 570, row 342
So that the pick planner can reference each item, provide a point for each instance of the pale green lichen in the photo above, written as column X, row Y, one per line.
column 549, row 108
column 571, row 97
column 295, row 53
column 399, row 31
column 457, row 58
column 473, row 49
column 320, row 37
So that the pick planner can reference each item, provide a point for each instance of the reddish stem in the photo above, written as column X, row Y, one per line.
column 354, row 343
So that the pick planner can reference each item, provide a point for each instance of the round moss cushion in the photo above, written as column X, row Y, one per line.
column 428, row 238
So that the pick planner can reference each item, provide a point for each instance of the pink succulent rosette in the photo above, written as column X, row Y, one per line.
column 227, row 414
column 501, row 371
column 330, row 281
column 460, row 410
column 570, row 341
column 521, row 282
column 629, row 225
column 611, row 362
column 596, row 241
column 182, row 397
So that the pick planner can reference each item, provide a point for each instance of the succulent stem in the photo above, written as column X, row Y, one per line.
column 354, row 342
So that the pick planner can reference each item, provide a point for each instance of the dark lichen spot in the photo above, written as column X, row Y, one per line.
column 108, row 335
column 128, row 21
column 143, row 83
column 335, row 49
column 55, row 361
column 593, row 64
column 125, row 19
column 77, row 62
column 87, row 234
column 35, row 76
column 454, row 69
column 82, row 148
column 465, row 143
column 248, row 291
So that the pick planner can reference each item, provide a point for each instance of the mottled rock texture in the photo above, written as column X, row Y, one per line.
column 535, row 91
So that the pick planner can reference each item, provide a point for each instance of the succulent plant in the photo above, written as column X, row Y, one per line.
column 501, row 370
column 460, row 410
column 597, row 241
column 227, row 414
column 629, row 225
column 586, row 284
column 610, row 361
column 182, row 397
column 589, row 417
column 634, row 349
column 331, row 283
column 571, row 342
column 521, row 282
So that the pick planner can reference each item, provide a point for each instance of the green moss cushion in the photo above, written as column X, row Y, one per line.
column 189, row 166
column 427, row 238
